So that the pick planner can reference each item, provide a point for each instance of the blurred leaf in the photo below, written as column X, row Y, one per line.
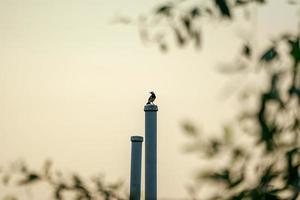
column 222, row 175
column 241, row 2
column 190, row 129
column 241, row 195
column 261, row 1
column 213, row 147
column 268, row 175
column 187, row 24
column 237, row 181
column 195, row 12
column 208, row 11
column 293, row 176
column 164, row 10
column 77, row 181
column 229, row 178
column 295, row 49
column 58, row 191
column 238, row 153
column 179, row 37
column 223, row 7
column 30, row 178
column 274, row 93
column 247, row 51
column 163, row 46
column 295, row 91
column 269, row 55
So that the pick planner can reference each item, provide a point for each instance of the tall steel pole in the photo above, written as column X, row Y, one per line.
column 136, row 167
column 150, row 151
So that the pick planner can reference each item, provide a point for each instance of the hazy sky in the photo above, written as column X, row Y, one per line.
column 73, row 86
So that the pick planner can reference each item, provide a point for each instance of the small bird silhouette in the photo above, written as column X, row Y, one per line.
column 151, row 98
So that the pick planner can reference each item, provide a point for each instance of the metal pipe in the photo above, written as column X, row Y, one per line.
column 136, row 167
column 150, row 151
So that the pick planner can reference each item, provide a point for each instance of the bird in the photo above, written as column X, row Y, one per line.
column 151, row 98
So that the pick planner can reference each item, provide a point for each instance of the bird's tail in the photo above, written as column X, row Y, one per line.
column 148, row 103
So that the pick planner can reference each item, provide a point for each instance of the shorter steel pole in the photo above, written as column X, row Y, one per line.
column 136, row 167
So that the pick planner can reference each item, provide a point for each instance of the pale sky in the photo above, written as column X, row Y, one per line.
column 73, row 86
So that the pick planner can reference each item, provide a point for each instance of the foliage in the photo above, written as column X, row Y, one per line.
column 63, row 187
column 265, row 163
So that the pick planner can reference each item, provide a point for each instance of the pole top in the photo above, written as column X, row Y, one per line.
column 150, row 108
column 137, row 139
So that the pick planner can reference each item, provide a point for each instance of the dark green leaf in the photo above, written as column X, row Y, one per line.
column 194, row 12
column 187, row 24
column 247, row 51
column 295, row 49
column 77, row 181
column 213, row 148
column 32, row 177
column 59, row 190
column 164, row 10
column 223, row 7
column 241, row 2
column 217, row 176
column 261, row 1
column 269, row 55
